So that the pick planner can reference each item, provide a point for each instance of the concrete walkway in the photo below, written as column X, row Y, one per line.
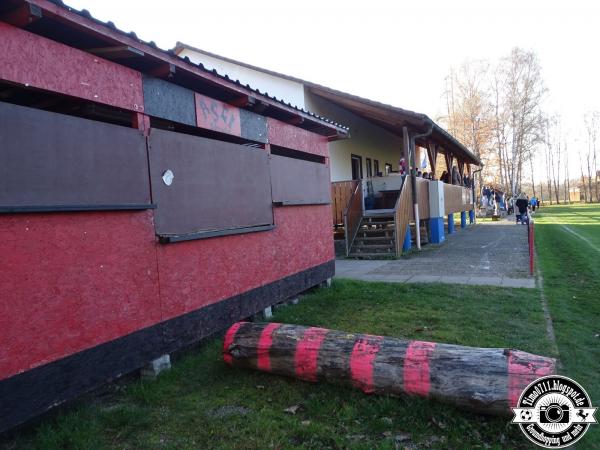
column 487, row 254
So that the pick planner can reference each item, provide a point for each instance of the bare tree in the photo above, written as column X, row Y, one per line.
column 522, row 100
column 592, row 121
column 500, row 121
column 554, row 153
column 582, row 185
column 567, row 183
column 548, row 154
column 497, row 113
column 468, row 107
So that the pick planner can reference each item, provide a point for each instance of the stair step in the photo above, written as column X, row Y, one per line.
column 376, row 230
column 374, row 239
column 373, row 247
column 372, row 255
column 379, row 217
column 377, row 222
column 382, row 236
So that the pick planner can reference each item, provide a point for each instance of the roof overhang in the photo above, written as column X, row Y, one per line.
column 54, row 19
column 393, row 119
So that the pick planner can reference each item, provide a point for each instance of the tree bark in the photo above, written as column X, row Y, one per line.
column 486, row 380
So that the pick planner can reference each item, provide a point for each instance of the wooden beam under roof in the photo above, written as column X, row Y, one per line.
column 22, row 15
column 243, row 101
column 116, row 52
column 296, row 120
column 163, row 70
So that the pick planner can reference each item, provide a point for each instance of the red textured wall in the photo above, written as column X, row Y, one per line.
column 289, row 136
column 42, row 63
column 218, row 116
column 70, row 281
column 197, row 273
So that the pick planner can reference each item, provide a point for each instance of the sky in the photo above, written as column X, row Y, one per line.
column 396, row 52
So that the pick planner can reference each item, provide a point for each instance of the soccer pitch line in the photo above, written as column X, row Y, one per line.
column 579, row 236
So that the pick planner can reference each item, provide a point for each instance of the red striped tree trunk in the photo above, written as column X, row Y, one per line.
column 487, row 380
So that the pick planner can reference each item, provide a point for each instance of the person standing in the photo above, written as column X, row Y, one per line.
column 497, row 202
column 402, row 166
column 533, row 202
column 522, row 204
column 455, row 176
column 511, row 205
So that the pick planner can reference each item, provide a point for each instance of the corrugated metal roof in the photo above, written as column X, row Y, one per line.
column 395, row 115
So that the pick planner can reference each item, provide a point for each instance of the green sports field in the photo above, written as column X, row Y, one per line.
column 568, row 246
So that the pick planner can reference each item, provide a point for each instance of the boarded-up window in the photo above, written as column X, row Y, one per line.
column 203, row 187
column 53, row 162
column 299, row 182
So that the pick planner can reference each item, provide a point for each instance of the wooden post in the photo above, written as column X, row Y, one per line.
column 448, row 158
column 432, row 151
column 461, row 168
column 486, row 380
column 141, row 122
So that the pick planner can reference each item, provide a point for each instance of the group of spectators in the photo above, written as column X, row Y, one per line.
column 456, row 179
column 495, row 198
column 453, row 178
column 491, row 197
column 426, row 175
column 525, row 206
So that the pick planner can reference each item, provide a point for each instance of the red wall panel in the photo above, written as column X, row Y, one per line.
column 197, row 273
column 289, row 136
column 70, row 281
column 218, row 116
column 45, row 64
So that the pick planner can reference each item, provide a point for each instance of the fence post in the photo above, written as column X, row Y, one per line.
column 407, row 240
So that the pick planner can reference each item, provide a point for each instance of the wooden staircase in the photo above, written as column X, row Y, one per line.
column 375, row 238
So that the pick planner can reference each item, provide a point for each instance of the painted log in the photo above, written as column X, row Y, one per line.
column 485, row 380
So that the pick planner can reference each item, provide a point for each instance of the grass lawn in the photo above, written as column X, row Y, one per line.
column 568, row 246
column 201, row 403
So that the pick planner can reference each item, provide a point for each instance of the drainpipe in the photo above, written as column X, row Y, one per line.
column 473, row 191
column 413, row 179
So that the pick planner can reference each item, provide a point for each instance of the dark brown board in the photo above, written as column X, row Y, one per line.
column 51, row 161
column 216, row 186
column 299, row 182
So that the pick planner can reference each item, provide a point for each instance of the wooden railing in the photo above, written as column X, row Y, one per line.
column 422, row 199
column 341, row 191
column 457, row 198
column 403, row 214
column 353, row 216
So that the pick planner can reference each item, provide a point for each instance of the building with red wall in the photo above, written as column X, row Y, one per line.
column 145, row 203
